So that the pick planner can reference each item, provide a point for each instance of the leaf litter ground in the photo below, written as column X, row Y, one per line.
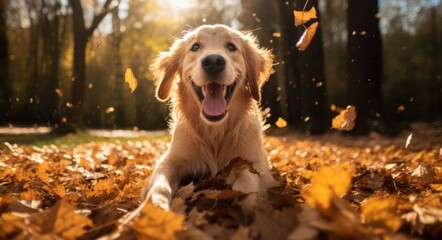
column 331, row 187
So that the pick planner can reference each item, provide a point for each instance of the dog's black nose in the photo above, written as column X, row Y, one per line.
column 213, row 63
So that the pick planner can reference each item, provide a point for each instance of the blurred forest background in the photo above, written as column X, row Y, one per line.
column 63, row 61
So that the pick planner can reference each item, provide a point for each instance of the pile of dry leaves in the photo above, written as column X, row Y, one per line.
column 331, row 187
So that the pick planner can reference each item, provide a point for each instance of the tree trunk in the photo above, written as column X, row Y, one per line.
column 81, row 37
column 364, row 64
column 262, row 16
column 4, row 66
column 290, row 59
column 314, row 112
column 116, row 93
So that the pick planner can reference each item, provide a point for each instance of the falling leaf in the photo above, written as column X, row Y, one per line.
column 408, row 140
column 401, row 108
column 154, row 222
column 327, row 184
column 110, row 110
column 381, row 213
column 130, row 79
column 301, row 17
column 59, row 92
column 307, row 36
column 345, row 120
column 281, row 123
column 276, row 34
column 69, row 105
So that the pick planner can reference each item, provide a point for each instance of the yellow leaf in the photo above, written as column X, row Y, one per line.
column 281, row 123
column 301, row 17
column 327, row 184
column 155, row 223
column 130, row 79
column 345, row 119
column 307, row 36
column 381, row 213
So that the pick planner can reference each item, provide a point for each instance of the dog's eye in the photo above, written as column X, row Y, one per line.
column 195, row 47
column 231, row 47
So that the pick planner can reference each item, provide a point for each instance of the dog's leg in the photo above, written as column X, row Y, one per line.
column 164, row 182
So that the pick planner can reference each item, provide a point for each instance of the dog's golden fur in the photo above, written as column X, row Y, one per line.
column 201, row 147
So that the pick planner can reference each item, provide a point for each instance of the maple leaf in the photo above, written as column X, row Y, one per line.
column 155, row 223
column 327, row 184
column 129, row 77
column 381, row 213
column 345, row 120
column 60, row 220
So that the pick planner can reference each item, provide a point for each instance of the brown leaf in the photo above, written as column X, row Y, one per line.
column 422, row 175
column 60, row 221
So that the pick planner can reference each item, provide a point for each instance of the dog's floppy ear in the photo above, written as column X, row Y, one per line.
column 259, row 63
column 165, row 68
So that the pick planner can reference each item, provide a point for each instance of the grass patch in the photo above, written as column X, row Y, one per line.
column 78, row 139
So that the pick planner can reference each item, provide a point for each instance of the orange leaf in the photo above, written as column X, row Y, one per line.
column 327, row 184
column 281, row 123
column 307, row 36
column 154, row 223
column 301, row 17
column 345, row 120
column 381, row 213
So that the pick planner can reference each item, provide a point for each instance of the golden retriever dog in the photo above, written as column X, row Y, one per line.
column 212, row 77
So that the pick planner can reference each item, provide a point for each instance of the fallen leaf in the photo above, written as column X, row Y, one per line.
column 129, row 78
column 345, row 120
column 327, row 184
column 423, row 216
column 59, row 221
column 281, row 123
column 422, row 175
column 381, row 213
column 154, row 222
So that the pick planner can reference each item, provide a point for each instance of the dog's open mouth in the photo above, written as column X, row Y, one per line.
column 214, row 98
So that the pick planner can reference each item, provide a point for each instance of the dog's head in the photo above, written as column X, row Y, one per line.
column 215, row 64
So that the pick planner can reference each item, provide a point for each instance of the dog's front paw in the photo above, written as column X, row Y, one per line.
column 161, row 196
column 161, row 201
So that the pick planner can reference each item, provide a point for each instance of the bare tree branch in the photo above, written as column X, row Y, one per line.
column 98, row 18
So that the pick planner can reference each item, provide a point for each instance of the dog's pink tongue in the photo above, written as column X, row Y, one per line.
column 214, row 103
